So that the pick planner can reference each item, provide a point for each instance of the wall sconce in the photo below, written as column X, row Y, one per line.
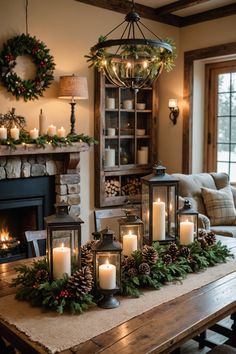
column 174, row 110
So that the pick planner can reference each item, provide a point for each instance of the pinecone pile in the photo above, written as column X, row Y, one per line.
column 80, row 283
column 144, row 269
column 87, row 254
column 149, row 255
column 206, row 238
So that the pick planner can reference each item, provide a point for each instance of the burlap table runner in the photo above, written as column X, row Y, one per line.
column 56, row 333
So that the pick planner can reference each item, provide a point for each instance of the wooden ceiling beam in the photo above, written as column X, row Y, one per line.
column 178, row 5
column 209, row 15
column 124, row 7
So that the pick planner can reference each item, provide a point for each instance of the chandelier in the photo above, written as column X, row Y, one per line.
column 132, row 61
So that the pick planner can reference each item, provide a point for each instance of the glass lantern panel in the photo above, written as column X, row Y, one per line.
column 131, row 238
column 108, row 270
column 171, row 211
column 145, row 209
column 159, row 213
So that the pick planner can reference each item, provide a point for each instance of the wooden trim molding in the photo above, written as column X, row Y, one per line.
column 189, row 58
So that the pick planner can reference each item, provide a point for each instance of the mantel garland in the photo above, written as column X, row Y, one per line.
column 151, row 268
column 20, row 46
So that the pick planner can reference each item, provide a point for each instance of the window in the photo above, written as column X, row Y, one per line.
column 220, row 138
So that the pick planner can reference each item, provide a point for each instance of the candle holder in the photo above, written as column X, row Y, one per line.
column 63, row 242
column 159, row 205
column 131, row 230
column 187, row 223
column 107, row 269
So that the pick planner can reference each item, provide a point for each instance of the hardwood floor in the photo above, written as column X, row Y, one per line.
column 191, row 347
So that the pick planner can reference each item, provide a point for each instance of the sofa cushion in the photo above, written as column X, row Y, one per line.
column 219, row 205
column 233, row 189
column 190, row 186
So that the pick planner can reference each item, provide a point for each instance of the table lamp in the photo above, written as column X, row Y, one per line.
column 74, row 88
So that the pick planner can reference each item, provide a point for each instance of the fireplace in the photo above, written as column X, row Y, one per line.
column 24, row 203
column 32, row 179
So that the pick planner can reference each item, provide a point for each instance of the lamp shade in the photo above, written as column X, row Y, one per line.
column 74, row 87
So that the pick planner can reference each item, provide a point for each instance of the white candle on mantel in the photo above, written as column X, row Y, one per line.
column 34, row 133
column 61, row 132
column 51, row 130
column 130, row 243
column 15, row 132
column 3, row 132
column 61, row 261
column 158, row 227
column 107, row 276
column 186, row 232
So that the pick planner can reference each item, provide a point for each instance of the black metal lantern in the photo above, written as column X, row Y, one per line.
column 159, row 205
column 63, row 242
column 107, row 269
column 187, row 223
column 131, row 233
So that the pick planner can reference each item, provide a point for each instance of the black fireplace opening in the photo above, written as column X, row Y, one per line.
column 23, row 205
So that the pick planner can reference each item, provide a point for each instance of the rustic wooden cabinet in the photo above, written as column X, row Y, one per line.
column 125, row 126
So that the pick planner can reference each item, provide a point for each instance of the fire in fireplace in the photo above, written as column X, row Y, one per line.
column 24, row 203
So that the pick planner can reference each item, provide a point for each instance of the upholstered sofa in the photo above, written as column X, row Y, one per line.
column 213, row 197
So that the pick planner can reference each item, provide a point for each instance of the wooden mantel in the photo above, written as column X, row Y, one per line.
column 72, row 152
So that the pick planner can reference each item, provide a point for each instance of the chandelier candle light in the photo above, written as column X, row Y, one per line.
column 73, row 88
column 132, row 61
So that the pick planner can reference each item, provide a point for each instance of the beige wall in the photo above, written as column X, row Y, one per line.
column 69, row 29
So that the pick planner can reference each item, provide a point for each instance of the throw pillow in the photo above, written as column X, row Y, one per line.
column 219, row 205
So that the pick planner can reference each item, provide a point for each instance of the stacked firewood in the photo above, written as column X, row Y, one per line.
column 132, row 187
column 112, row 188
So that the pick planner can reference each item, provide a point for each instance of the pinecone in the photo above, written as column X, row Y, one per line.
column 202, row 233
column 132, row 272
column 184, row 251
column 210, row 238
column 87, row 254
column 149, row 255
column 144, row 268
column 167, row 259
column 203, row 242
column 173, row 249
column 130, row 262
column 80, row 283
column 41, row 276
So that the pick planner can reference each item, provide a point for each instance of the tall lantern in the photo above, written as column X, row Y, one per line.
column 159, row 206
column 63, row 242
column 107, row 269
column 187, row 223
column 131, row 233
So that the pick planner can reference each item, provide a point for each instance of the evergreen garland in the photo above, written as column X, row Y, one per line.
column 149, row 268
column 26, row 45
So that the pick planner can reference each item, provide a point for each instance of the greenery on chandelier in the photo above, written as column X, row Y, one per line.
column 161, row 57
column 24, row 45
column 150, row 268
column 44, row 140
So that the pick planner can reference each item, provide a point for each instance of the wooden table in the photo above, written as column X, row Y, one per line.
column 159, row 330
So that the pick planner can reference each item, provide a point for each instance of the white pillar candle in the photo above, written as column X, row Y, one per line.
column 15, row 132
column 51, row 130
column 142, row 157
column 34, row 133
column 186, row 232
column 130, row 243
column 110, row 103
column 158, row 227
column 110, row 157
column 3, row 132
column 42, row 123
column 111, row 131
column 61, row 261
column 61, row 133
column 107, row 276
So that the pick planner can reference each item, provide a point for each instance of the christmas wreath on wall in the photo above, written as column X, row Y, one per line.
column 20, row 46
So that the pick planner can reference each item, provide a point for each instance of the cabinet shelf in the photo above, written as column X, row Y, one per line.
column 122, row 159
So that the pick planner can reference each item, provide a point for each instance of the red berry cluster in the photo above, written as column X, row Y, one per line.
column 65, row 294
column 9, row 58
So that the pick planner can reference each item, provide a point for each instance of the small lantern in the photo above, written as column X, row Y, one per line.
column 131, row 233
column 107, row 269
column 187, row 223
column 63, row 242
column 159, row 205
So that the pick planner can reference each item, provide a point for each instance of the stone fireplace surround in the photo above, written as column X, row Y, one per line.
column 29, row 161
